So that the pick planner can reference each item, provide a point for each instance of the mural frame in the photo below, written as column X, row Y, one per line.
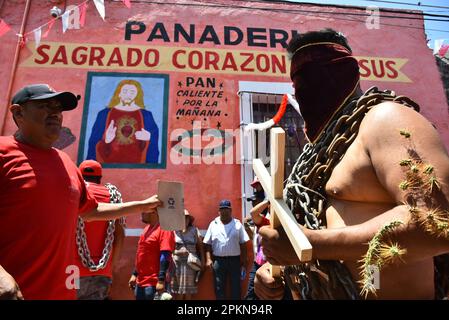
column 162, row 164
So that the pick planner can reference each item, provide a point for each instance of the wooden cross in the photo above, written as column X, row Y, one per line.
column 273, row 185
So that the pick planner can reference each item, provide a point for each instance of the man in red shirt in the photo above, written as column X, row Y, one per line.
column 153, row 258
column 98, row 243
column 41, row 194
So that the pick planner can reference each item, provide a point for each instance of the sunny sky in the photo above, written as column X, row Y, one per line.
column 434, row 29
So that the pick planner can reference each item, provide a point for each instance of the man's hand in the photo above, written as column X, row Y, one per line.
column 151, row 204
column 265, row 286
column 160, row 287
column 143, row 135
column 277, row 247
column 9, row 289
column 132, row 282
column 182, row 252
column 256, row 212
column 209, row 264
column 110, row 132
column 108, row 211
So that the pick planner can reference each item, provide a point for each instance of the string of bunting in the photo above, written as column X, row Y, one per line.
column 79, row 18
column 441, row 48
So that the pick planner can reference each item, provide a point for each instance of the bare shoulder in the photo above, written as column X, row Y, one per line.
column 388, row 123
column 391, row 115
column 391, row 133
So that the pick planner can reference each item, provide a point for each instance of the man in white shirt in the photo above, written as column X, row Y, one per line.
column 225, row 242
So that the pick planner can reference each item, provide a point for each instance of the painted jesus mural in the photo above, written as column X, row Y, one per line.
column 120, row 129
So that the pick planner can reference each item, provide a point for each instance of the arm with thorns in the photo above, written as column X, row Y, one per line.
column 422, row 194
column 412, row 165
column 410, row 169
column 421, row 189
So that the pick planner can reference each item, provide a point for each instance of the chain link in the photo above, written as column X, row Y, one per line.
column 81, row 238
column 305, row 193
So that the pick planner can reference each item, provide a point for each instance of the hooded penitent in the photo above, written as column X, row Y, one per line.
column 325, row 76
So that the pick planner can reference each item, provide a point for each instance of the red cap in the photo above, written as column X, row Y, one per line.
column 91, row 168
column 255, row 182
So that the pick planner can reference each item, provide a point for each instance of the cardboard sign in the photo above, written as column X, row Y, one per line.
column 171, row 215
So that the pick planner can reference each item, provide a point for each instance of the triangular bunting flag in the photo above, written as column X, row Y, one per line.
column 443, row 50
column 127, row 3
column 4, row 27
column 437, row 45
column 74, row 17
column 83, row 8
column 50, row 25
column 37, row 36
column 99, row 4
column 65, row 21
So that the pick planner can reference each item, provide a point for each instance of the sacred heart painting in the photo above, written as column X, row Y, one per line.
column 125, row 120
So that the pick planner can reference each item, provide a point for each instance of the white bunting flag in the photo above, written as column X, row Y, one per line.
column 65, row 21
column 100, row 7
column 37, row 36
column 437, row 45
column 74, row 17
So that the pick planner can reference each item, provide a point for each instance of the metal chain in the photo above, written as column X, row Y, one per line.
column 305, row 193
column 81, row 238
column 116, row 197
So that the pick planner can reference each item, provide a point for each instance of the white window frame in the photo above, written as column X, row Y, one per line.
column 248, row 91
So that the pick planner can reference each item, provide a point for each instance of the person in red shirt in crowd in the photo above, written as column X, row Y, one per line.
column 258, row 217
column 42, row 192
column 98, row 243
column 153, row 259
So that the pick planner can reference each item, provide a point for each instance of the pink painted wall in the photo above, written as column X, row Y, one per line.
column 205, row 185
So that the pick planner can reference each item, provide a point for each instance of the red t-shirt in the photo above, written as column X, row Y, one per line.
column 152, row 241
column 41, row 194
column 95, row 235
column 264, row 222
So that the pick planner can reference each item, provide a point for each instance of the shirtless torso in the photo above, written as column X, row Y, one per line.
column 364, row 185
column 364, row 195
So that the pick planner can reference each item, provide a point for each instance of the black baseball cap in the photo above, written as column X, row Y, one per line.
column 225, row 204
column 43, row 91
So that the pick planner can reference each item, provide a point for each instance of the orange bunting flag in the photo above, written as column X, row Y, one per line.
column 83, row 8
column 50, row 25
column 4, row 27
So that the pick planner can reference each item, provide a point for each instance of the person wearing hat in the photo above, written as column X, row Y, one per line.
column 188, row 242
column 42, row 192
column 259, row 193
column 375, row 201
column 226, row 254
column 98, row 243
column 258, row 215
column 257, row 197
